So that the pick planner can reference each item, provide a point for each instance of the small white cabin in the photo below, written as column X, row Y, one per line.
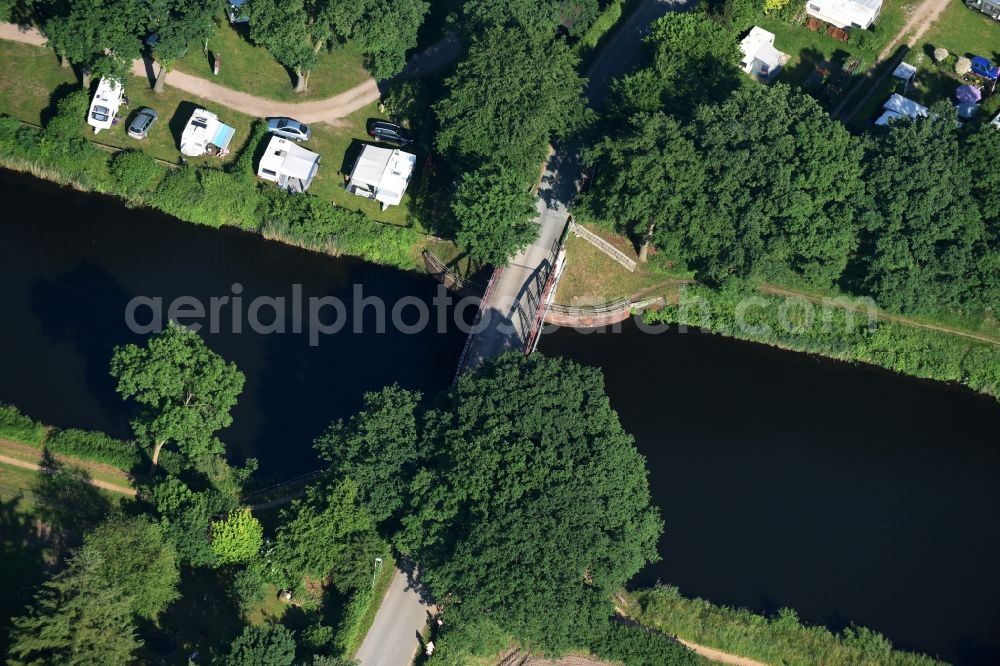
column 898, row 106
column 288, row 164
column 845, row 13
column 104, row 107
column 382, row 174
column 760, row 58
column 206, row 134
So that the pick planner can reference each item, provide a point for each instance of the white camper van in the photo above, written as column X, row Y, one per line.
column 104, row 107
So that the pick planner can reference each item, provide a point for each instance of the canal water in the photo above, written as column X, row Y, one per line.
column 844, row 492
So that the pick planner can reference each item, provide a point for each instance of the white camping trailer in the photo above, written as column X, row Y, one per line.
column 288, row 164
column 206, row 134
column 104, row 107
column 845, row 13
column 382, row 174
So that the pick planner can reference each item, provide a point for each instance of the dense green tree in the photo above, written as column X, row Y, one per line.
column 186, row 518
column 375, row 449
column 695, row 60
column 185, row 389
column 102, row 37
column 386, row 31
column 135, row 556
column 495, row 210
column 921, row 225
column 282, row 27
column 328, row 535
column 542, row 16
column 178, row 24
column 237, row 538
column 502, row 105
column 650, row 177
column 270, row 645
column 982, row 155
column 529, row 464
column 76, row 619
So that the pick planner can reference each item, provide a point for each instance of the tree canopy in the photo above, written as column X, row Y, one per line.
column 375, row 449
column 502, row 105
column 237, row 538
column 103, row 37
column 78, row 618
column 328, row 535
column 185, row 390
column 528, row 463
column 269, row 645
column 494, row 210
column 135, row 556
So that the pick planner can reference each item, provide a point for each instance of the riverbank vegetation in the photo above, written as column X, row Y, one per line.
column 781, row 639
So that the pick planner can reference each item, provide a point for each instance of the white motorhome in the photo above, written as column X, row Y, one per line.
column 845, row 13
column 206, row 134
column 288, row 164
column 104, row 107
column 382, row 174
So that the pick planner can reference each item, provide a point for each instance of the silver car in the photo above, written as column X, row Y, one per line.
column 144, row 119
column 289, row 128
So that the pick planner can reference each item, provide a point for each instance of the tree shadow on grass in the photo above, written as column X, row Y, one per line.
column 22, row 554
column 60, row 93
column 67, row 503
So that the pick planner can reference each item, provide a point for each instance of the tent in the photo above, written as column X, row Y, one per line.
column 968, row 94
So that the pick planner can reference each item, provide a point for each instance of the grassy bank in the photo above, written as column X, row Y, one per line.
column 839, row 330
column 782, row 639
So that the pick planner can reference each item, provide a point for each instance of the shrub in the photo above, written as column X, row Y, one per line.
column 17, row 427
column 237, row 538
column 96, row 447
column 774, row 5
column 636, row 646
column 940, row 54
column 605, row 21
column 963, row 66
column 248, row 586
column 135, row 173
column 991, row 105
column 243, row 165
column 209, row 196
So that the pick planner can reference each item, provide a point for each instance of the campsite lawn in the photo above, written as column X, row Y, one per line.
column 339, row 147
column 964, row 32
column 252, row 69
column 806, row 48
column 31, row 75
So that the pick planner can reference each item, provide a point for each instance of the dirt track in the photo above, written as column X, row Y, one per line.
column 329, row 110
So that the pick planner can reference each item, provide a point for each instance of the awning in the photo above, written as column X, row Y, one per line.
column 223, row 135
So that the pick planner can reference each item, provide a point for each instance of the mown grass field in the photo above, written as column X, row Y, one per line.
column 252, row 69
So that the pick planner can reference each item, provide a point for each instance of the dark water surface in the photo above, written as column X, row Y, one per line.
column 70, row 262
column 846, row 493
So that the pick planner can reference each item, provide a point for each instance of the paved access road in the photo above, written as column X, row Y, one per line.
column 395, row 634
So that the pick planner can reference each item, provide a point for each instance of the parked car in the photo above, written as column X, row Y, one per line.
column 390, row 133
column 289, row 128
column 985, row 69
column 144, row 119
